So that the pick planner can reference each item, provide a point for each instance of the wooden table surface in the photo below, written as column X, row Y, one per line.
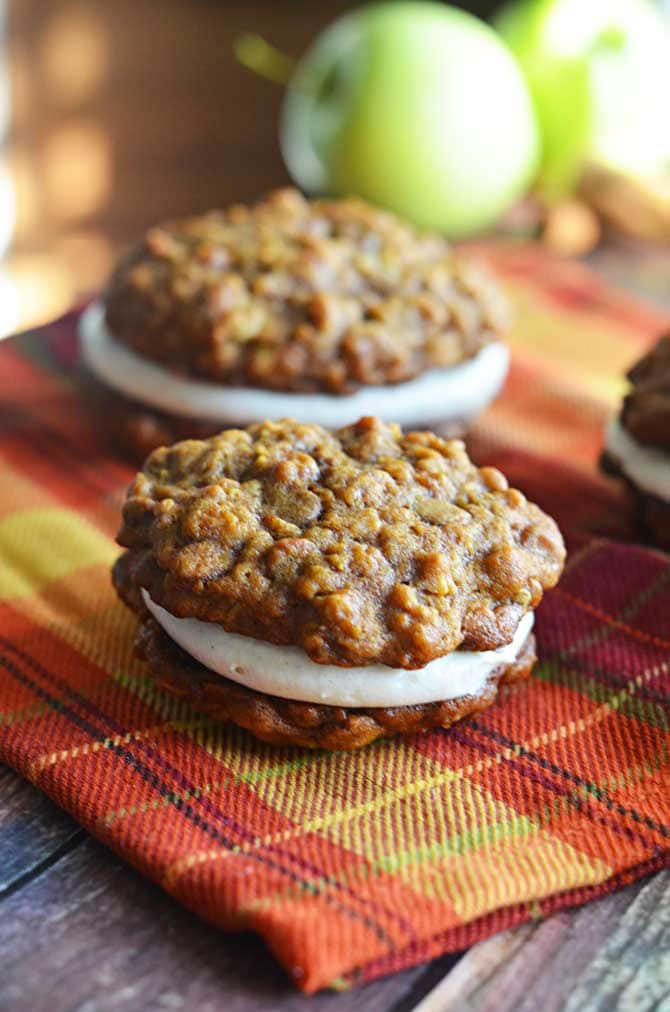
column 80, row 931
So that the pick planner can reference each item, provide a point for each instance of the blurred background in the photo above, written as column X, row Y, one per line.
column 115, row 115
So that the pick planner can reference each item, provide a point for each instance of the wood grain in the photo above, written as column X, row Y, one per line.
column 32, row 831
column 611, row 954
column 81, row 930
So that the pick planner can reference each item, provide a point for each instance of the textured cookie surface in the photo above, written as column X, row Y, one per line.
column 360, row 546
column 301, row 295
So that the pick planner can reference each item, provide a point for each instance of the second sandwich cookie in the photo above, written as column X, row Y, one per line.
column 323, row 310
column 637, row 441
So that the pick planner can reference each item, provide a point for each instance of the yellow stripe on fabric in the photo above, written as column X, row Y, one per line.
column 520, row 873
column 572, row 343
column 83, row 610
column 91, row 747
column 473, row 820
column 20, row 492
column 513, row 872
column 325, row 779
column 537, row 867
column 41, row 545
column 553, row 421
column 330, row 788
column 330, row 785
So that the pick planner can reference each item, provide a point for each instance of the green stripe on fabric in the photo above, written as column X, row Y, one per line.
column 634, row 775
column 340, row 984
column 10, row 718
column 172, row 798
column 516, row 827
column 282, row 768
column 162, row 703
column 619, row 699
column 571, row 777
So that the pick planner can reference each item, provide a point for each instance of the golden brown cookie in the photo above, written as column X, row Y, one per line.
column 364, row 550
column 361, row 546
column 298, row 295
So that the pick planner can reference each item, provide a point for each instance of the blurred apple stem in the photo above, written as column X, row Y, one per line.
column 259, row 56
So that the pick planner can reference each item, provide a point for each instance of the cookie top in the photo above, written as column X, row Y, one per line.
column 361, row 546
column 301, row 295
column 646, row 409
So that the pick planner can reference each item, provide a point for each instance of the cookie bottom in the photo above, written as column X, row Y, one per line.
column 307, row 725
column 653, row 512
column 136, row 429
column 132, row 430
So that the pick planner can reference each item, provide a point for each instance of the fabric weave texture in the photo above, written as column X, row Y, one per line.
column 355, row 865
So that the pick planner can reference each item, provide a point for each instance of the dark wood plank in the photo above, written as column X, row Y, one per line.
column 32, row 830
column 611, row 954
column 90, row 933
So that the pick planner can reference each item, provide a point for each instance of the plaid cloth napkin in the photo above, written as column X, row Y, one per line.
column 355, row 865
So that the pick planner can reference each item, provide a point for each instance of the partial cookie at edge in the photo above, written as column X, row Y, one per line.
column 654, row 513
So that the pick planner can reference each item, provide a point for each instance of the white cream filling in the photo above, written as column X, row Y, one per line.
column 460, row 392
column 648, row 467
column 288, row 672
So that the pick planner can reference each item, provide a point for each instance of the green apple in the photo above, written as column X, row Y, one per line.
column 417, row 107
column 599, row 74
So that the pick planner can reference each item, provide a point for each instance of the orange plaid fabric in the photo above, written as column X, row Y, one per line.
column 355, row 865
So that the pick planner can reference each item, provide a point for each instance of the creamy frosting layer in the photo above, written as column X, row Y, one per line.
column 460, row 392
column 288, row 672
column 648, row 467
